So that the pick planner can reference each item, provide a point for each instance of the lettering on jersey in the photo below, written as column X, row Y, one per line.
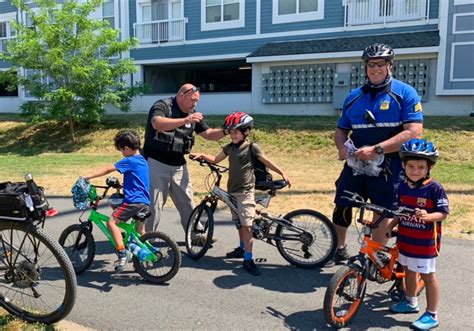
column 418, row 107
column 421, row 202
column 385, row 105
column 442, row 202
column 412, row 222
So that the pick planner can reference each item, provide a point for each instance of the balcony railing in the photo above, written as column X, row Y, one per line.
column 157, row 32
column 361, row 12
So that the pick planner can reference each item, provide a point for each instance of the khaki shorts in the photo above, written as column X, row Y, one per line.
column 422, row 266
column 245, row 207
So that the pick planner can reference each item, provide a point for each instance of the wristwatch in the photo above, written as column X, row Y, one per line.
column 378, row 149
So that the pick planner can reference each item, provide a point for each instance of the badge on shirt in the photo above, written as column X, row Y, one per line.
column 421, row 202
column 385, row 105
column 418, row 107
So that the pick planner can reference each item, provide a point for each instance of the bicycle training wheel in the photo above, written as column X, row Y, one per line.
column 79, row 245
column 37, row 281
column 168, row 262
column 340, row 301
column 311, row 249
column 199, row 231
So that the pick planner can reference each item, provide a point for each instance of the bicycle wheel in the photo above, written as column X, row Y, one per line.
column 199, row 231
column 169, row 258
column 340, row 301
column 37, row 281
column 79, row 245
column 397, row 291
column 315, row 247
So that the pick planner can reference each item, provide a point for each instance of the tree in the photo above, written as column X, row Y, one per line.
column 70, row 63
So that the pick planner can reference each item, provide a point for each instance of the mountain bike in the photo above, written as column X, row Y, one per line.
column 37, row 280
column 304, row 237
column 375, row 262
column 162, row 258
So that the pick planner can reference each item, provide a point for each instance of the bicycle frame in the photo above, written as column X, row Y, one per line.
column 101, row 221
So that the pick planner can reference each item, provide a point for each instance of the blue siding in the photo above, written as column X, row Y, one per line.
column 192, row 10
column 333, row 17
column 247, row 46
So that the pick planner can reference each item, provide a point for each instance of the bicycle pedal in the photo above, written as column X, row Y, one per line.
column 260, row 260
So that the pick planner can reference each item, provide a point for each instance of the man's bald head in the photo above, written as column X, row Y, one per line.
column 187, row 97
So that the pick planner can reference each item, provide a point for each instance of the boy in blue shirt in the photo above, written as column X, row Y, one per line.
column 419, row 235
column 136, row 186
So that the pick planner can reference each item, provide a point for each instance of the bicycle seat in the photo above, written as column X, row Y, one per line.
column 270, row 185
column 143, row 214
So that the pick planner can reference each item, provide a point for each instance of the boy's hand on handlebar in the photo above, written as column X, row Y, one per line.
column 196, row 156
column 421, row 214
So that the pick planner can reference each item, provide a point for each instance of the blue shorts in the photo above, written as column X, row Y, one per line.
column 379, row 190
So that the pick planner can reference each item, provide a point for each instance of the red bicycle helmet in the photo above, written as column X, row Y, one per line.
column 238, row 120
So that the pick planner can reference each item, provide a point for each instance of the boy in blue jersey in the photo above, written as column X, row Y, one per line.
column 419, row 235
column 136, row 185
column 378, row 118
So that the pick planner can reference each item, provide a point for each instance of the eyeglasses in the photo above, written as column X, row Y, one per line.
column 380, row 64
column 194, row 89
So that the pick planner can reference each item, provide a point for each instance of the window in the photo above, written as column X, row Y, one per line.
column 222, row 14
column 6, row 31
column 288, row 11
column 108, row 13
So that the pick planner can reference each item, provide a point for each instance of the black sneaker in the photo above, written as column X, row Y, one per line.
column 340, row 257
column 251, row 267
column 237, row 253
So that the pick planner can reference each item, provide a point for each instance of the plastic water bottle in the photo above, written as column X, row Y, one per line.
column 137, row 251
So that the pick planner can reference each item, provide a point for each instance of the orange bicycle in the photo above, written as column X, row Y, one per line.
column 375, row 262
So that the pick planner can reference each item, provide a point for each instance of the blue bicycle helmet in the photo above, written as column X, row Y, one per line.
column 419, row 149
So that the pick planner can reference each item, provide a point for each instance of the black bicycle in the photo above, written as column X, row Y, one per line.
column 304, row 237
column 37, row 280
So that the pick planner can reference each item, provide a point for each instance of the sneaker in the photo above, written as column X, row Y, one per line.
column 237, row 253
column 251, row 267
column 123, row 257
column 341, row 255
column 201, row 240
column 404, row 307
column 425, row 322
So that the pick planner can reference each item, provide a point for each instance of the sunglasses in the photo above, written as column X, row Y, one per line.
column 380, row 64
column 194, row 89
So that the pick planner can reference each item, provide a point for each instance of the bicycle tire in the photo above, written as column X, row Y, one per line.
column 37, row 271
column 81, row 256
column 323, row 240
column 169, row 258
column 198, row 240
column 342, row 282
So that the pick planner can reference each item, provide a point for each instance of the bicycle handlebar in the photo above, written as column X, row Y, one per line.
column 214, row 167
column 361, row 203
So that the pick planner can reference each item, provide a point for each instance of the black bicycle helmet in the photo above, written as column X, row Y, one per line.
column 238, row 120
column 419, row 149
column 378, row 50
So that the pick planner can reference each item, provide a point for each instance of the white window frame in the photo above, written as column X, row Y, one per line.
column 297, row 17
column 223, row 24
column 115, row 15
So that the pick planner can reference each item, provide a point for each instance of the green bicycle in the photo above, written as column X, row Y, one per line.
column 159, row 257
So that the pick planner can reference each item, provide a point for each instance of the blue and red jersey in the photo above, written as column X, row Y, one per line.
column 417, row 238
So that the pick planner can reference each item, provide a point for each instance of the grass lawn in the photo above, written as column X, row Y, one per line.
column 302, row 145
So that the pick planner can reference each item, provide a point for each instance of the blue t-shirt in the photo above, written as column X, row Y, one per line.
column 136, row 179
column 393, row 106
column 417, row 238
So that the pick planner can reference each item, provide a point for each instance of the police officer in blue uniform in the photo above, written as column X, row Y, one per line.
column 378, row 117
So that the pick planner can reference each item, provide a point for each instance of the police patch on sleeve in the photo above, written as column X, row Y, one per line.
column 418, row 107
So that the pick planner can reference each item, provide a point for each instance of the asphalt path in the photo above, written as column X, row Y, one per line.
column 215, row 293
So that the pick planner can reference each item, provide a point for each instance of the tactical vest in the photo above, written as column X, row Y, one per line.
column 179, row 140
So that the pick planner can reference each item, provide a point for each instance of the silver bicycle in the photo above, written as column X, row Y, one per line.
column 304, row 237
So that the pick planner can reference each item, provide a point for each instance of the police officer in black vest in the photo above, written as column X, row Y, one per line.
column 169, row 136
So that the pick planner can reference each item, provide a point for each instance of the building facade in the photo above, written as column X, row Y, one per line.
column 288, row 57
